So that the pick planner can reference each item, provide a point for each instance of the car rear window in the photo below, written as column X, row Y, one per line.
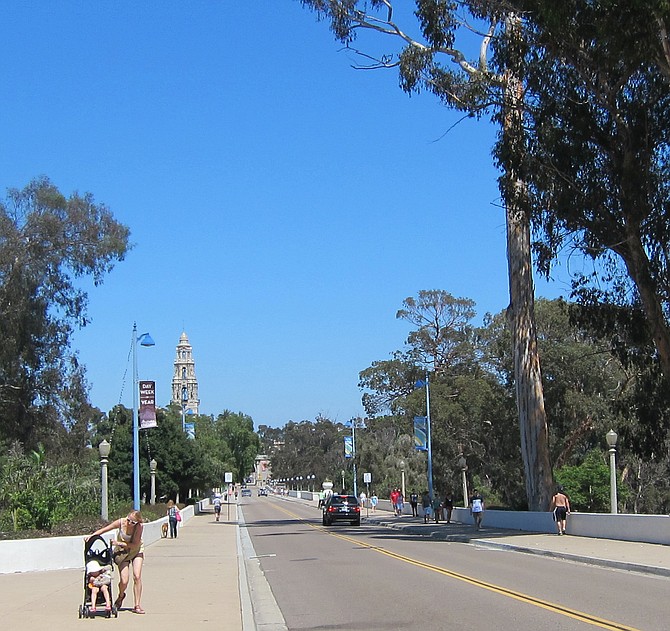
column 344, row 499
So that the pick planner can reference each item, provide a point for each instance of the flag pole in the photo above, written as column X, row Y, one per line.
column 430, row 449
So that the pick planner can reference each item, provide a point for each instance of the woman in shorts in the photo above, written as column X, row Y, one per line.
column 128, row 551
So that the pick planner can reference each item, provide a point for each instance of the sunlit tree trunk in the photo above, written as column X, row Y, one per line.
column 528, row 377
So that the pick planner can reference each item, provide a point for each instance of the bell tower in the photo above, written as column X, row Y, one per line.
column 184, row 382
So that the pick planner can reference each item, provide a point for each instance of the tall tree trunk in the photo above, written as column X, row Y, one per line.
column 637, row 263
column 521, row 312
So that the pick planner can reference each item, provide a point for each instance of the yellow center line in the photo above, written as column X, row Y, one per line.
column 504, row 591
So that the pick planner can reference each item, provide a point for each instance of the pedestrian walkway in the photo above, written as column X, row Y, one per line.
column 191, row 581
column 626, row 555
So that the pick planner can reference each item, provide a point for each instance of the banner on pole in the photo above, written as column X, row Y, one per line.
column 421, row 433
column 189, row 428
column 348, row 446
column 147, row 404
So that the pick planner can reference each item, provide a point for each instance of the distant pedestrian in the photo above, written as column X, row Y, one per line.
column 427, row 508
column 414, row 503
column 394, row 500
column 477, row 508
column 560, row 504
column 401, row 503
column 171, row 512
column 437, row 508
column 448, row 505
column 217, row 508
column 364, row 498
column 374, row 500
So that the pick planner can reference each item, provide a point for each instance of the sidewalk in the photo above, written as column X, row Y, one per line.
column 626, row 555
column 191, row 581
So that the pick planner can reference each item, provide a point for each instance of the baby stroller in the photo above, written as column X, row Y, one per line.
column 97, row 550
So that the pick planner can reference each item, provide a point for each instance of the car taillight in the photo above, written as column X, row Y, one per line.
column 332, row 509
column 357, row 509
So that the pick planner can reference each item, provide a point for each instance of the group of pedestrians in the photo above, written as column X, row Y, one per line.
column 442, row 509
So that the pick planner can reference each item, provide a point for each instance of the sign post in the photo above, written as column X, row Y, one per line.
column 228, row 479
column 367, row 478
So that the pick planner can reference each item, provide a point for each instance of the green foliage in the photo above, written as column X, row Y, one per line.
column 36, row 495
column 588, row 484
column 47, row 241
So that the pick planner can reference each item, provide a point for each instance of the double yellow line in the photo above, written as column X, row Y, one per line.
column 504, row 591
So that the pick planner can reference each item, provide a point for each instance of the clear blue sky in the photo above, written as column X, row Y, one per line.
column 282, row 204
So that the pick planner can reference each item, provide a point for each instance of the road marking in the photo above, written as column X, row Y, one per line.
column 504, row 591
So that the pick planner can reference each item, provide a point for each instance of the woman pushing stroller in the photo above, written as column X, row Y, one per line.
column 128, row 551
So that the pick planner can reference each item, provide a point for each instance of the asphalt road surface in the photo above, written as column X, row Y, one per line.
column 371, row 578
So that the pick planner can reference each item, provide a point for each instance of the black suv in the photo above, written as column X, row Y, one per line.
column 342, row 508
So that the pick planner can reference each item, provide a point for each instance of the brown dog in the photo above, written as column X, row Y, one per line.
column 164, row 530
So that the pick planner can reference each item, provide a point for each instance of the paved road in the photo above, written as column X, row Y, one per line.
column 376, row 577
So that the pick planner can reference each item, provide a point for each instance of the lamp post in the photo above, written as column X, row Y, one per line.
column 104, row 448
column 184, row 401
column 342, row 472
column 152, row 468
column 462, row 463
column 611, row 437
column 401, row 464
column 144, row 340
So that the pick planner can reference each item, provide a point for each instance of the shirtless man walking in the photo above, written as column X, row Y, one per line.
column 560, row 504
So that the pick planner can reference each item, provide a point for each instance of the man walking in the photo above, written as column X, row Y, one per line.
column 560, row 504
column 477, row 508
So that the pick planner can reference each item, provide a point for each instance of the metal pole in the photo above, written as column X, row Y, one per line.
column 466, row 502
column 353, row 454
column 430, row 450
column 611, row 438
column 152, row 468
column 613, row 494
column 104, row 512
column 136, row 427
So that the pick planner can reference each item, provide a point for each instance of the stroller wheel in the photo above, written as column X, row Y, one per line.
column 81, row 611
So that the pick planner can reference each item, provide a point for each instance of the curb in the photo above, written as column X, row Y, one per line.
column 440, row 535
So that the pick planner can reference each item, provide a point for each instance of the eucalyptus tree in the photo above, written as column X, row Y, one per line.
column 598, row 170
column 492, row 84
column 47, row 243
column 442, row 338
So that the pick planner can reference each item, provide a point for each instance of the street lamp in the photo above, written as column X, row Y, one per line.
column 462, row 463
column 611, row 437
column 144, row 340
column 401, row 464
column 104, row 448
column 152, row 468
column 342, row 472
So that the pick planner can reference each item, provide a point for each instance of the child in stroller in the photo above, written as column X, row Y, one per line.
column 97, row 579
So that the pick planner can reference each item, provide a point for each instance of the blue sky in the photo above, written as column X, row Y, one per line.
column 282, row 204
